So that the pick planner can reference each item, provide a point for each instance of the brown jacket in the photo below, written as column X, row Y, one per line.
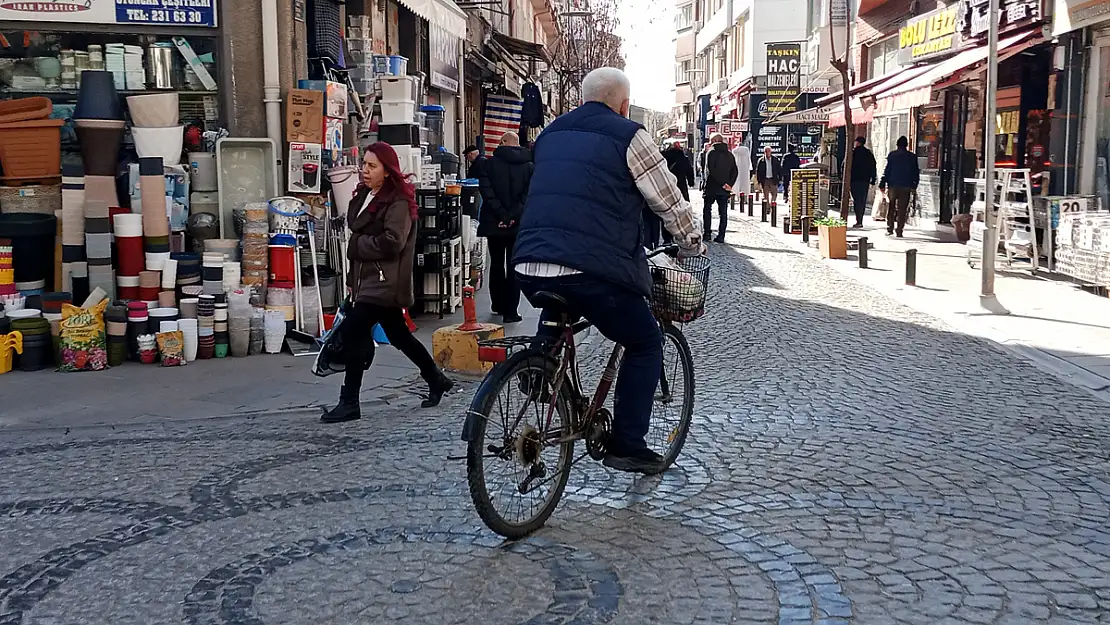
column 381, row 249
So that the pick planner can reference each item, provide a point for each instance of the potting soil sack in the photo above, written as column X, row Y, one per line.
column 171, row 346
column 83, row 344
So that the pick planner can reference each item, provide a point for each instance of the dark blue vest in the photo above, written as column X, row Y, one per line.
column 583, row 208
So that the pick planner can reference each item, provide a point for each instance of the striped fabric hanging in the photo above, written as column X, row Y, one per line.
column 502, row 115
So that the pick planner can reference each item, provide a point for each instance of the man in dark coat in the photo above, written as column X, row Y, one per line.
column 720, row 173
column 790, row 162
column 863, row 177
column 504, row 189
column 902, row 174
column 679, row 165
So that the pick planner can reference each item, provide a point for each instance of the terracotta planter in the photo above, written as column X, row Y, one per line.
column 31, row 150
column 833, row 241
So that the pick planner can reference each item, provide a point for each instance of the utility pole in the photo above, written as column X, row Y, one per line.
column 987, row 298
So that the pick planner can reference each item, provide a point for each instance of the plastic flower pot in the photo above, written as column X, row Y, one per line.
column 31, row 150
column 97, row 98
column 157, row 110
column 25, row 109
column 100, row 142
column 832, row 241
column 32, row 237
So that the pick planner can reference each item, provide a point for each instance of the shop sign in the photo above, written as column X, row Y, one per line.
column 784, row 76
column 774, row 137
column 158, row 12
column 805, row 194
column 974, row 20
column 931, row 35
column 444, row 60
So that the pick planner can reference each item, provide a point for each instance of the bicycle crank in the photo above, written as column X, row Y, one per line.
column 598, row 431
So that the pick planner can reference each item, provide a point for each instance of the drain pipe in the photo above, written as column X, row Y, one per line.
column 271, row 71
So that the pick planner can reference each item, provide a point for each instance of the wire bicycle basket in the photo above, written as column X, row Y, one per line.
column 679, row 287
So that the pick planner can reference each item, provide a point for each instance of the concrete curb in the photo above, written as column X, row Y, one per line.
column 1066, row 371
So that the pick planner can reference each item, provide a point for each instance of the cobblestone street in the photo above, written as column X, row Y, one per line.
column 851, row 461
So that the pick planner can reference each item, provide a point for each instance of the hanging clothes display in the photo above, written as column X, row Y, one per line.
column 531, row 112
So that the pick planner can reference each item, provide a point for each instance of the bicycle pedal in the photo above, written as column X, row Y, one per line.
column 456, row 457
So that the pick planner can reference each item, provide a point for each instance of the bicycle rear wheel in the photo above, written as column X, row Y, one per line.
column 514, row 437
column 673, row 409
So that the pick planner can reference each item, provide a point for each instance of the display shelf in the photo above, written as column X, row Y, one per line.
column 6, row 92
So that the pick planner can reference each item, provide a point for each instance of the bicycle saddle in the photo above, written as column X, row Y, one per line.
column 547, row 300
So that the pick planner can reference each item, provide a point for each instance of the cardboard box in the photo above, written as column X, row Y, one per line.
column 304, row 116
column 333, row 139
column 336, row 96
column 305, row 168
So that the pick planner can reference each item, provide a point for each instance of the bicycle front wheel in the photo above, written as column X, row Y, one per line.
column 516, row 466
column 673, row 409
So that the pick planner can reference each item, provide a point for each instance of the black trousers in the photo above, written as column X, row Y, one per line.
column 358, row 339
column 504, row 292
column 860, row 189
column 722, row 214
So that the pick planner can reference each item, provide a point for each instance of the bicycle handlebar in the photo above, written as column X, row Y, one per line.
column 666, row 249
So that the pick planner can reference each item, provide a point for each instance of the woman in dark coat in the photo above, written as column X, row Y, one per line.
column 382, row 218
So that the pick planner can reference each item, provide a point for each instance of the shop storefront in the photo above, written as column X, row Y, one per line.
column 149, row 47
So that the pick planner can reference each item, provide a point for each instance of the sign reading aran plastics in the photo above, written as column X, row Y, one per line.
column 931, row 35
column 161, row 12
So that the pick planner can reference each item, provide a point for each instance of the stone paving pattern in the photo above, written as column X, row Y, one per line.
column 851, row 462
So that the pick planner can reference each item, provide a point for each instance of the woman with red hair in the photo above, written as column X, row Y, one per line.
column 382, row 219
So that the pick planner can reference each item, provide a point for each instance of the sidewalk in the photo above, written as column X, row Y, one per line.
column 137, row 393
column 1061, row 328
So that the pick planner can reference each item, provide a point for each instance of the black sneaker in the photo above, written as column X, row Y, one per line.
column 719, row 240
column 513, row 318
column 643, row 461
column 345, row 410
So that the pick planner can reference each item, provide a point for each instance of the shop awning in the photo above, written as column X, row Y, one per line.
column 443, row 13
column 520, row 47
column 918, row 91
column 882, row 82
column 861, row 114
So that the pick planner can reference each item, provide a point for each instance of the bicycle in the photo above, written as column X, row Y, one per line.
column 548, row 380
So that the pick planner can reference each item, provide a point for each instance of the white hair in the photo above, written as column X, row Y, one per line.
column 607, row 85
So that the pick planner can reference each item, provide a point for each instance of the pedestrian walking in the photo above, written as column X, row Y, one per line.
column 863, row 177
column 382, row 218
column 679, row 165
column 743, row 185
column 768, row 173
column 504, row 189
column 790, row 162
column 902, row 174
column 720, row 173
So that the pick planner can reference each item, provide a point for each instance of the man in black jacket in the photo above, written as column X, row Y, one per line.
column 790, row 162
column 679, row 165
column 863, row 177
column 504, row 188
column 902, row 174
column 720, row 173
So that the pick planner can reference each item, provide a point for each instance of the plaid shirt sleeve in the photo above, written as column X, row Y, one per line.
column 660, row 190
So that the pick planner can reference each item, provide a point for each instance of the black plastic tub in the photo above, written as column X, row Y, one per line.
column 32, row 238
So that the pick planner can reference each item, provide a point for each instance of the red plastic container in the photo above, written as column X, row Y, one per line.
column 283, row 266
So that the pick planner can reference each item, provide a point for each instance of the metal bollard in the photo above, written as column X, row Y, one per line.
column 774, row 212
column 911, row 267
column 805, row 228
column 863, row 252
column 751, row 205
column 763, row 211
column 786, row 224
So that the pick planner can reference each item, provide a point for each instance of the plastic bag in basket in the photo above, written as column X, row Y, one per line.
column 333, row 353
column 677, row 294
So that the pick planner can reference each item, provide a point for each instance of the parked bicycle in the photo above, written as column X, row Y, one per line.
column 533, row 400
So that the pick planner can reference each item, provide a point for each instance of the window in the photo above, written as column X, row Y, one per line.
column 882, row 58
column 738, row 44
column 684, row 18
column 682, row 72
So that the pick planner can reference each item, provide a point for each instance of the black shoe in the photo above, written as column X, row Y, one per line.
column 705, row 236
column 436, row 389
column 889, row 233
column 513, row 318
column 859, row 224
column 719, row 240
column 643, row 461
column 899, row 235
column 345, row 410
